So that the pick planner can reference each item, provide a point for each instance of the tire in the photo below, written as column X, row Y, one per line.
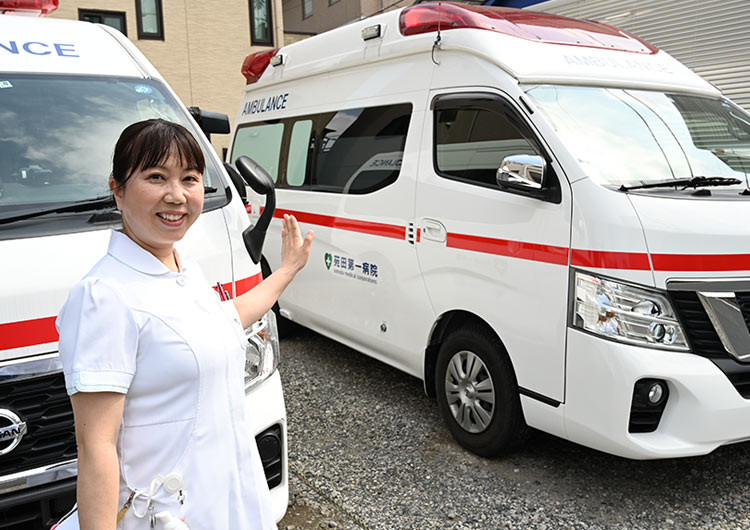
column 477, row 393
column 284, row 326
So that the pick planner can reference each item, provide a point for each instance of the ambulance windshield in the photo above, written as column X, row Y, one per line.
column 634, row 137
column 57, row 134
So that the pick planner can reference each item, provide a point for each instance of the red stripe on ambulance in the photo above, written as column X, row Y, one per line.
column 597, row 259
column 511, row 249
column 246, row 284
column 343, row 223
column 28, row 333
column 701, row 262
column 42, row 330
column 601, row 259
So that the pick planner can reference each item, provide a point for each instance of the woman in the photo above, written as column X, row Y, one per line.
column 154, row 361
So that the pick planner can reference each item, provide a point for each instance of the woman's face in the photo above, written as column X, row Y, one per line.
column 159, row 204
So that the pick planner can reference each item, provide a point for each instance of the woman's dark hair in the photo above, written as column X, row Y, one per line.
column 150, row 143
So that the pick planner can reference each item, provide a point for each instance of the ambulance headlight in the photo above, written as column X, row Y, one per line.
column 626, row 313
column 262, row 352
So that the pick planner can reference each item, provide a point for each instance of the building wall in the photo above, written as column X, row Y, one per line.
column 325, row 16
column 205, row 42
column 291, row 37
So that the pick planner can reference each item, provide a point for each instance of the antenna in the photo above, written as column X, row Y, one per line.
column 438, row 39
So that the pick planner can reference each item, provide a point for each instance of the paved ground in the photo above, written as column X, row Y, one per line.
column 368, row 450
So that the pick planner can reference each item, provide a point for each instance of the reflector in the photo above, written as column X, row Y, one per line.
column 535, row 26
column 43, row 6
column 256, row 63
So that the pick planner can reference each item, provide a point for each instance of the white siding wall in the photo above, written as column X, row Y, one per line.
column 712, row 37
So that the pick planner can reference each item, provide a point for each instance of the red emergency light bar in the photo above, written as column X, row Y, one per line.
column 530, row 25
column 256, row 63
column 41, row 6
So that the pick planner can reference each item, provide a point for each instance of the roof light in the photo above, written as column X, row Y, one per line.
column 256, row 63
column 277, row 60
column 371, row 32
column 535, row 26
column 41, row 7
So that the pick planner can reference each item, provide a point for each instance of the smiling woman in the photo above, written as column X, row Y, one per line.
column 157, row 182
column 154, row 359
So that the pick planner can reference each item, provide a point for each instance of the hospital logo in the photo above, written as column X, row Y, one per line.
column 329, row 260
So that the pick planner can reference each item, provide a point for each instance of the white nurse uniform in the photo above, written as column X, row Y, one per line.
column 177, row 352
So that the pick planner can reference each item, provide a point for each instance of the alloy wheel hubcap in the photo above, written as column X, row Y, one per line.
column 469, row 391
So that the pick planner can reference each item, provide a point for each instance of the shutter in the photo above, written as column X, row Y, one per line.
column 711, row 37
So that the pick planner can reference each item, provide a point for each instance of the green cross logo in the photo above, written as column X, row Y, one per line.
column 329, row 260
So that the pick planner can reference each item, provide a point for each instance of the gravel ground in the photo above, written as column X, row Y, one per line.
column 368, row 449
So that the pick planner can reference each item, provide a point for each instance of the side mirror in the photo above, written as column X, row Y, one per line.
column 209, row 121
column 255, row 176
column 522, row 172
column 261, row 183
column 239, row 183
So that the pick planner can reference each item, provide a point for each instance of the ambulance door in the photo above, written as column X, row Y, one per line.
column 344, row 174
column 498, row 253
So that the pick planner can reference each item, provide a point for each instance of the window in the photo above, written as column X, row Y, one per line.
column 331, row 2
column 360, row 150
column 471, row 143
column 299, row 147
column 306, row 8
column 57, row 133
column 261, row 26
column 150, row 20
column 354, row 151
column 115, row 19
column 262, row 143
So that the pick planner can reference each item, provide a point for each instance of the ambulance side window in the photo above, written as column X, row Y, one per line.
column 360, row 150
column 353, row 151
column 474, row 134
column 299, row 145
column 262, row 143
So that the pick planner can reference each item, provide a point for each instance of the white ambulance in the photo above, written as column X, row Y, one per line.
column 546, row 220
column 67, row 90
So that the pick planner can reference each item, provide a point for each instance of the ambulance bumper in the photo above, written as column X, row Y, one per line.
column 264, row 405
column 703, row 409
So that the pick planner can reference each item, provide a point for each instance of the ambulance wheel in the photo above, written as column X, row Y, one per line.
column 477, row 392
column 283, row 324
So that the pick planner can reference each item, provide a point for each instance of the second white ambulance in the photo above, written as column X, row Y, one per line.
column 546, row 220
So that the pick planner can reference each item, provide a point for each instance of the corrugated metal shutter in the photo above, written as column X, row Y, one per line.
column 712, row 37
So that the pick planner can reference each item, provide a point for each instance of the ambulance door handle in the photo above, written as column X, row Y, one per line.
column 434, row 230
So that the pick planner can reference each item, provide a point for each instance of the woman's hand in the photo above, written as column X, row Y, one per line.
column 253, row 304
column 294, row 250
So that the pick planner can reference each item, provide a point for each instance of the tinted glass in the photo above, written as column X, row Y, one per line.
column 262, row 143
column 351, row 151
column 57, row 134
column 630, row 137
column 360, row 150
column 472, row 143
column 299, row 148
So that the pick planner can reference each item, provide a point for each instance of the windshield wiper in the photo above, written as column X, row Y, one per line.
column 86, row 205
column 695, row 182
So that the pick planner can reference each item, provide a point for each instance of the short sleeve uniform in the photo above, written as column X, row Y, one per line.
column 177, row 352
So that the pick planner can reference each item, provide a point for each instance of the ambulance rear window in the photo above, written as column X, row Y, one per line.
column 57, row 134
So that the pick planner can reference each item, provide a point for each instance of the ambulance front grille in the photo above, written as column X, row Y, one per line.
column 43, row 404
column 704, row 340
